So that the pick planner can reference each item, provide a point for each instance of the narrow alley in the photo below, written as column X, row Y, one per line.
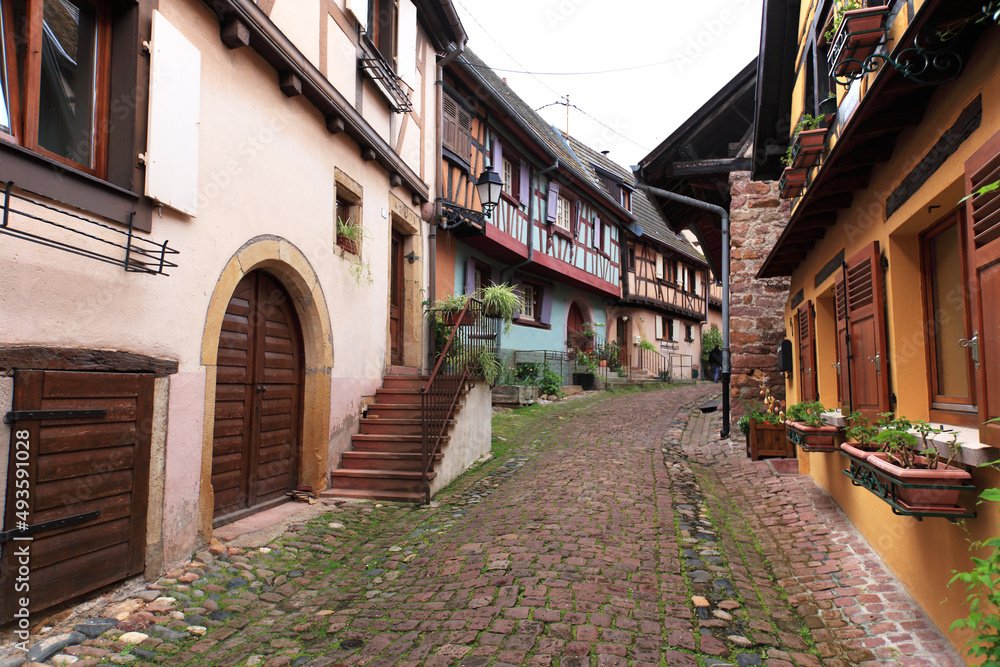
column 613, row 529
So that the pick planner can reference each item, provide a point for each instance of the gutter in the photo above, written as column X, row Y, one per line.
column 724, row 216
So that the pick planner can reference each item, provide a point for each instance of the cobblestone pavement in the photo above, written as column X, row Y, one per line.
column 609, row 530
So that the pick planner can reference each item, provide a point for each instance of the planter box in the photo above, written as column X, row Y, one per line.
column 348, row 245
column 860, row 32
column 768, row 440
column 812, row 438
column 808, row 147
column 793, row 182
column 513, row 394
column 917, row 498
column 855, row 453
column 453, row 320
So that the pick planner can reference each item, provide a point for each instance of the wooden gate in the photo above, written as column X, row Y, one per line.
column 257, row 400
column 78, row 474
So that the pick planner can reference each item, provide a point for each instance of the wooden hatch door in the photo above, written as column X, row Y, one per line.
column 258, row 411
column 396, row 297
column 78, row 473
column 807, row 352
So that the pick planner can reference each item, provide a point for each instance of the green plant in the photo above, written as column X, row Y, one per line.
column 710, row 340
column 500, row 301
column 484, row 362
column 982, row 588
column 861, row 430
column 589, row 361
column 809, row 413
column 646, row 345
column 842, row 7
column 451, row 304
column 767, row 410
column 807, row 122
column 550, row 382
column 527, row 373
column 589, row 329
column 989, row 187
column 351, row 236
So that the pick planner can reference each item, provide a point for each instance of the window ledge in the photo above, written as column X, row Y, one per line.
column 511, row 199
column 973, row 452
column 556, row 229
column 532, row 323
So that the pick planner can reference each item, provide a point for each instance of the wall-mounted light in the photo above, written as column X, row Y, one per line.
column 489, row 187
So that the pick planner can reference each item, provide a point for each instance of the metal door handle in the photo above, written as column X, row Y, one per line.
column 809, row 372
column 837, row 366
column 973, row 346
column 877, row 360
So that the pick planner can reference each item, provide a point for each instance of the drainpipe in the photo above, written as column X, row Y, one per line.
column 453, row 52
column 724, row 215
column 531, row 231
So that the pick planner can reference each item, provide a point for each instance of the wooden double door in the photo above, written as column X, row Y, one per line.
column 258, row 400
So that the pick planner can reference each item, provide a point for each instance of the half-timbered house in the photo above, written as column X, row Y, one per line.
column 207, row 208
column 556, row 233
column 892, row 252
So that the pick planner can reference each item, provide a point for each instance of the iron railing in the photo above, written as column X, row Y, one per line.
column 458, row 363
column 651, row 362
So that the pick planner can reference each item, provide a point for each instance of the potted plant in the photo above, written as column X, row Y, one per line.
column 863, row 434
column 450, row 307
column 350, row 235
column 483, row 362
column 828, row 108
column 808, row 143
column 587, row 362
column 792, row 182
column 764, row 426
column 807, row 428
column 500, row 302
column 856, row 33
column 899, row 459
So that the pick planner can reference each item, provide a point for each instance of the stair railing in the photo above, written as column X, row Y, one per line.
column 652, row 361
column 456, row 366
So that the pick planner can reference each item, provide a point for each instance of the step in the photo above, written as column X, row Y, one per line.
column 375, row 494
column 404, row 370
column 411, row 461
column 391, row 443
column 398, row 396
column 382, row 480
column 379, row 426
column 394, row 410
column 413, row 382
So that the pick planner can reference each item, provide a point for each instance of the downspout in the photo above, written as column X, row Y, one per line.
column 453, row 52
column 724, row 215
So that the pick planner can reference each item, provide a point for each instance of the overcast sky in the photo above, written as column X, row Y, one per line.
column 704, row 43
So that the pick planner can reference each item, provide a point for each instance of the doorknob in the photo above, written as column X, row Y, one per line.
column 877, row 360
column 973, row 346
column 261, row 389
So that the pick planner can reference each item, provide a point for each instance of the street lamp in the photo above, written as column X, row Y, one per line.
column 489, row 186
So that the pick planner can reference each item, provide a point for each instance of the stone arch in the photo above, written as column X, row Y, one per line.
column 289, row 265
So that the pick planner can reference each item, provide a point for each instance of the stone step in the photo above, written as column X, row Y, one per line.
column 391, row 443
column 379, row 426
column 378, row 480
column 375, row 494
column 384, row 460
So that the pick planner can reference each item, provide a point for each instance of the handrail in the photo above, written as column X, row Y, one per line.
column 471, row 331
column 648, row 361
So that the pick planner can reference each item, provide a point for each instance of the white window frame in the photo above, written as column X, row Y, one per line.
column 507, row 174
column 528, row 302
column 564, row 213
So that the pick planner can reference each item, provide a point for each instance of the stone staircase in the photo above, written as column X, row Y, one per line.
column 385, row 461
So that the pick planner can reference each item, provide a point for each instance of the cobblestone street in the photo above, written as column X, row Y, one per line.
column 612, row 529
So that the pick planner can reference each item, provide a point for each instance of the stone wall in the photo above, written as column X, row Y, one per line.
column 757, row 218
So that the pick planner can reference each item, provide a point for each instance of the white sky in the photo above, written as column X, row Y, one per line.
column 706, row 41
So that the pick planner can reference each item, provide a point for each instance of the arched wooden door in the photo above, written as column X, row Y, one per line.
column 574, row 325
column 258, row 413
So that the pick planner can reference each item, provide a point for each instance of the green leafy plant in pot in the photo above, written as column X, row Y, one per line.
column 808, row 429
column 501, row 302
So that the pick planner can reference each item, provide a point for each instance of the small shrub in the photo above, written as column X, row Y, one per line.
column 550, row 382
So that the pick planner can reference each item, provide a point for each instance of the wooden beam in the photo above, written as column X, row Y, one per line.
column 290, row 84
column 710, row 167
column 235, row 33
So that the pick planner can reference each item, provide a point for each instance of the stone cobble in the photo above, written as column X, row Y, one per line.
column 610, row 530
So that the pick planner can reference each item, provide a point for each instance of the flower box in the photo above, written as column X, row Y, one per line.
column 793, row 182
column 807, row 148
column 812, row 438
column 768, row 440
column 860, row 32
column 514, row 394
column 348, row 245
column 922, row 498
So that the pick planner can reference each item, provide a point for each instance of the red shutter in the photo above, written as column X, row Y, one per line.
column 983, row 218
column 807, row 352
column 843, row 349
column 869, row 362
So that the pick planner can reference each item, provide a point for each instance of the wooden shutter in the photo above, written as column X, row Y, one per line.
column 659, row 266
column 463, row 138
column 807, row 352
column 519, row 290
column 598, row 234
column 449, row 110
column 843, row 345
column 496, row 156
column 574, row 218
column 658, row 319
column 548, row 294
column 869, row 361
column 553, row 202
column 524, row 187
column 983, row 168
column 77, row 466
column 470, row 276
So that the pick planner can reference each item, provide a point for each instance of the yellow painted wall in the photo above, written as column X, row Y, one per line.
column 922, row 554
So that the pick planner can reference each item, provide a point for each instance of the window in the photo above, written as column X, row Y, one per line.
column 528, row 309
column 688, row 334
column 457, row 129
column 668, row 326
column 383, row 22
column 952, row 373
column 477, row 275
column 564, row 214
column 347, row 217
column 631, row 258
column 55, row 79
column 507, row 173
